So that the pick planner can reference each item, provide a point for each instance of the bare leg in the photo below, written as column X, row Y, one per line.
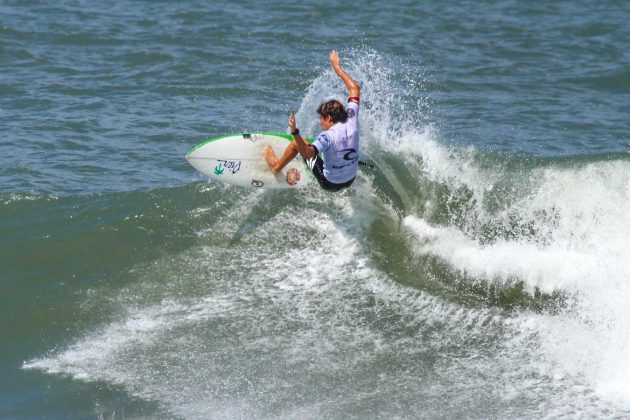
column 271, row 159
column 276, row 164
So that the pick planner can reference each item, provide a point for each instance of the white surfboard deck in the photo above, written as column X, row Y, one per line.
column 238, row 160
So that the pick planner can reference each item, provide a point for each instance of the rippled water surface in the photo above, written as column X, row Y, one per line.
column 479, row 270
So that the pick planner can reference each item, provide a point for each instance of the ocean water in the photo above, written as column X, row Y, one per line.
column 480, row 270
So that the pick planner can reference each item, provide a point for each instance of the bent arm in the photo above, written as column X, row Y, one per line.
column 303, row 147
column 354, row 90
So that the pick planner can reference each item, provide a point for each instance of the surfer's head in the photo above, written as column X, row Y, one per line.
column 333, row 111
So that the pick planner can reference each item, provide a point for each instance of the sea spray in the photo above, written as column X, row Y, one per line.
column 565, row 230
column 307, row 304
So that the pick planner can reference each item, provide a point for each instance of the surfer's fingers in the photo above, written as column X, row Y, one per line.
column 334, row 58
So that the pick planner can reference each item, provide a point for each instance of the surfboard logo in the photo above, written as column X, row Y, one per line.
column 293, row 176
column 232, row 166
column 258, row 184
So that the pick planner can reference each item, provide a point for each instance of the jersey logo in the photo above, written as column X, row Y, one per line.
column 350, row 112
column 351, row 154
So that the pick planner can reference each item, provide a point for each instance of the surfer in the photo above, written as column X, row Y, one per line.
column 334, row 156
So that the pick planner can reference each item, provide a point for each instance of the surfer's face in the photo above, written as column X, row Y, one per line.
column 326, row 122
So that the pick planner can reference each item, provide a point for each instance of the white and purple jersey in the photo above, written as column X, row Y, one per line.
column 339, row 146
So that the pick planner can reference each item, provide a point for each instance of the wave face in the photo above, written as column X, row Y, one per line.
column 448, row 281
column 479, row 270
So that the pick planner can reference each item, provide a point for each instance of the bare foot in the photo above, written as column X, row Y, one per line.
column 271, row 159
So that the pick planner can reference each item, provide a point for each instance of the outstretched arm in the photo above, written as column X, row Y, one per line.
column 354, row 90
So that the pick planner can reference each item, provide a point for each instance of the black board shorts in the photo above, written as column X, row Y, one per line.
column 316, row 166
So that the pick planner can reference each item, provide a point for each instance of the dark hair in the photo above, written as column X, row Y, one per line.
column 335, row 109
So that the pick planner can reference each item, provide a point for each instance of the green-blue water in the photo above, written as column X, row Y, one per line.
column 482, row 270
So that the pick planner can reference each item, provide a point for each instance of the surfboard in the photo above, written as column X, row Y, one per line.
column 238, row 160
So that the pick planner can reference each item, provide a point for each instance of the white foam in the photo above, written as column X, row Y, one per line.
column 503, row 261
column 14, row 198
column 153, row 350
column 96, row 353
column 580, row 245
column 291, row 319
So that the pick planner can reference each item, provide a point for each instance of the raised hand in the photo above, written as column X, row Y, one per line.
column 334, row 60
column 292, row 122
column 353, row 87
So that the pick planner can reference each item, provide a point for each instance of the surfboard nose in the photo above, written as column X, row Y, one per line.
column 195, row 159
